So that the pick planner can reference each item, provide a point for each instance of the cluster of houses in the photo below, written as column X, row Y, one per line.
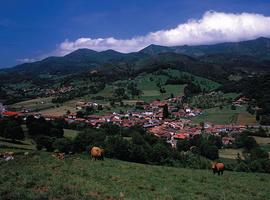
column 58, row 91
column 178, row 126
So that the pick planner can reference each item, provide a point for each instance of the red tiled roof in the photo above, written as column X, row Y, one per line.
column 10, row 113
column 181, row 136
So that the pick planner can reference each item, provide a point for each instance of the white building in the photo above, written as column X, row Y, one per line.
column 2, row 108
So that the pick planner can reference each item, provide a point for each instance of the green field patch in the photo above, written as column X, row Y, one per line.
column 221, row 116
column 78, row 177
column 150, row 93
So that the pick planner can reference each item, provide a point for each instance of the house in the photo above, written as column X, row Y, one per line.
column 2, row 108
column 227, row 140
column 181, row 136
column 10, row 114
column 72, row 116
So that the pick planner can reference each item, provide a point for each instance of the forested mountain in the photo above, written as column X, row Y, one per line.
column 258, row 48
column 210, row 60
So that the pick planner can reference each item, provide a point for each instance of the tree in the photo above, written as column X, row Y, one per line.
column 165, row 111
column 209, row 151
column 44, row 141
column 160, row 153
column 258, row 153
column 39, row 127
column 62, row 145
column 56, row 132
column 110, row 128
column 13, row 131
column 137, row 153
column 88, row 138
column 249, row 143
column 119, row 92
column 182, row 145
column 117, row 147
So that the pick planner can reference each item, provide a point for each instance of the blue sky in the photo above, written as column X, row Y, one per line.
column 33, row 29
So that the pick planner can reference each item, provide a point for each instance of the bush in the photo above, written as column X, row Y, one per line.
column 88, row 138
column 182, row 145
column 242, row 167
column 12, row 130
column 54, row 132
column 62, row 145
column 110, row 128
column 160, row 153
column 117, row 147
column 209, row 151
column 44, row 142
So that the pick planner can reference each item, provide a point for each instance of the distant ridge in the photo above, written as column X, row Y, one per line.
column 251, row 51
column 259, row 47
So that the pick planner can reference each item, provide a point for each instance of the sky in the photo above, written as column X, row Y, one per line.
column 31, row 30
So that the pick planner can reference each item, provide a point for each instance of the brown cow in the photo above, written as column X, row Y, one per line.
column 218, row 167
column 97, row 153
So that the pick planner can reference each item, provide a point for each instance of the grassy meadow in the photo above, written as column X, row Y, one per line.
column 35, row 104
column 226, row 116
column 41, row 176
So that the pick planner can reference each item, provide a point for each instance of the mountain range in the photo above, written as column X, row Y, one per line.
column 252, row 55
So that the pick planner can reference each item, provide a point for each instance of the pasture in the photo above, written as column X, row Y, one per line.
column 230, row 153
column 41, row 176
column 226, row 116
column 35, row 104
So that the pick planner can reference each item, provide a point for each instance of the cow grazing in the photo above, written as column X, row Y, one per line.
column 97, row 153
column 218, row 167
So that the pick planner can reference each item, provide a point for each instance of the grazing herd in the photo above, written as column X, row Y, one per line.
column 97, row 153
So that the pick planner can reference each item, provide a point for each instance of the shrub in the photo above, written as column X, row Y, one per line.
column 242, row 167
column 87, row 138
column 117, row 147
column 12, row 130
column 62, row 145
column 44, row 142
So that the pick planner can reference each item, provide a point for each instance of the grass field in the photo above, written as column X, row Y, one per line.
column 263, row 142
column 226, row 116
column 147, row 83
column 203, row 82
column 35, row 104
column 230, row 153
column 68, row 133
column 27, row 144
column 41, row 176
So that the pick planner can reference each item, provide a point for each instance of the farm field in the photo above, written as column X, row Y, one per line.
column 263, row 142
column 68, row 133
column 203, row 82
column 230, row 153
column 226, row 116
column 147, row 83
column 35, row 104
column 41, row 176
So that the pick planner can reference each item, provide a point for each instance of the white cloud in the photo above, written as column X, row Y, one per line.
column 26, row 60
column 213, row 27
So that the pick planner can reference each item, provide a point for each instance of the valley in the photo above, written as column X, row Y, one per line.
column 156, row 113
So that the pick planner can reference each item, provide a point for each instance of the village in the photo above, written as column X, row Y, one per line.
column 164, row 119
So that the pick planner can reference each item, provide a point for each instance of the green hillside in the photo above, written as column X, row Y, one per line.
column 41, row 176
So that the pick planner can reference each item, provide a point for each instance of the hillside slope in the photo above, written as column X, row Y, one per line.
column 41, row 176
column 259, row 47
